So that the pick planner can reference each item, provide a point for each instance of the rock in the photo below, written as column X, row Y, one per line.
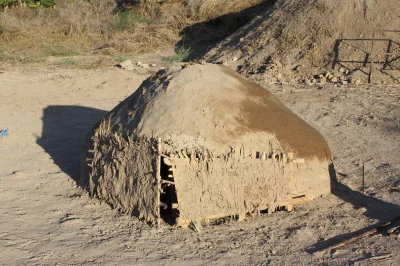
column 153, row 65
column 139, row 63
column 125, row 64
column 342, row 70
column 355, row 81
column 145, row 66
column 337, row 74
column 130, row 68
column 322, row 81
column 343, row 82
column 333, row 80
column 313, row 81
column 234, row 59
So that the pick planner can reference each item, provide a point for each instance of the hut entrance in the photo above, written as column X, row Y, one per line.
column 168, row 199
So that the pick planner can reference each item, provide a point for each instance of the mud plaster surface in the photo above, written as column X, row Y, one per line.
column 267, row 114
column 217, row 108
column 123, row 173
column 231, row 186
column 205, row 110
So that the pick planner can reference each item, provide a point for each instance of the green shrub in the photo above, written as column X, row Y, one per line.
column 69, row 61
column 29, row 3
column 127, row 19
column 61, row 51
column 181, row 54
column 122, row 58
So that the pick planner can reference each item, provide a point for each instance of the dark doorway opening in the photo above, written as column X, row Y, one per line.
column 168, row 198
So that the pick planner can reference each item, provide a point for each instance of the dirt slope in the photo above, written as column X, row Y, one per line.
column 301, row 37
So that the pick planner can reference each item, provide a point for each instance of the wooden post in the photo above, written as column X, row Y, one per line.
column 371, row 66
column 158, row 176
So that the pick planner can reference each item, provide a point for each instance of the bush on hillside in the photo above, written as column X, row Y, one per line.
column 29, row 3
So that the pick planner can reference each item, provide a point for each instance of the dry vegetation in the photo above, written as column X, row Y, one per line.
column 105, row 26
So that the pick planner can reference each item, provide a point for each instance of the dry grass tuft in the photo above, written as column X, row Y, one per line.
column 76, row 25
column 80, row 26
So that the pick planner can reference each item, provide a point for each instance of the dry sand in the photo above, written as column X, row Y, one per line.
column 45, row 219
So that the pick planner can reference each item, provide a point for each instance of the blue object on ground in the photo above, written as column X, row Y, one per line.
column 3, row 132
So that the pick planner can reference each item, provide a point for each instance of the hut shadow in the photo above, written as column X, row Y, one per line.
column 375, row 209
column 64, row 130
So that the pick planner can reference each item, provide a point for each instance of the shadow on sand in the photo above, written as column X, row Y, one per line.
column 375, row 209
column 64, row 130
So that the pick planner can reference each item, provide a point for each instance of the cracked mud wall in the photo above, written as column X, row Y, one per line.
column 223, row 187
column 122, row 172
column 230, row 187
column 311, row 179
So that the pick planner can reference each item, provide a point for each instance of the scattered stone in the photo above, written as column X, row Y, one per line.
column 337, row 74
column 343, row 82
column 333, row 79
column 139, row 63
column 153, row 65
column 235, row 59
column 322, row 81
column 125, row 64
column 145, row 66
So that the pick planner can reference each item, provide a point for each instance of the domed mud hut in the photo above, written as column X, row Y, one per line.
column 202, row 142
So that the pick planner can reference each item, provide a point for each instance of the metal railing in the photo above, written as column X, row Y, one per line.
column 371, row 54
column 372, row 63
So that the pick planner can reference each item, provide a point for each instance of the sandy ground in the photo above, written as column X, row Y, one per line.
column 45, row 219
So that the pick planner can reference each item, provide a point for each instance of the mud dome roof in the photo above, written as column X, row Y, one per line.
column 215, row 107
column 204, row 142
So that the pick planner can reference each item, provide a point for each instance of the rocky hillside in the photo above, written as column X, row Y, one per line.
column 297, row 39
